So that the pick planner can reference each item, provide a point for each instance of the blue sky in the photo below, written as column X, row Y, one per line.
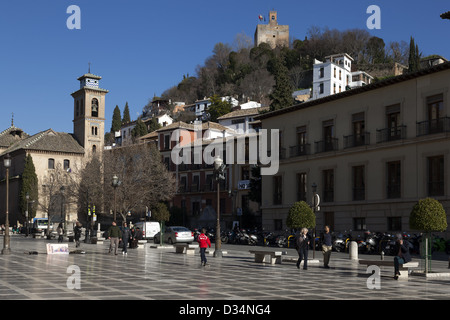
column 143, row 47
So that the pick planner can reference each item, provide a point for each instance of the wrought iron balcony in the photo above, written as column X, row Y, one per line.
column 359, row 194
column 391, row 134
column 328, row 195
column 356, row 140
column 436, row 188
column 433, row 126
column 300, row 150
column 330, row 144
column 394, row 191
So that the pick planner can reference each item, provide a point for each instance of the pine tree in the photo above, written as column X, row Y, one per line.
column 281, row 96
column 29, row 185
column 116, row 120
column 126, row 114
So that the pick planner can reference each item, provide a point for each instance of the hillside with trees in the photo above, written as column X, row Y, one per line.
column 247, row 72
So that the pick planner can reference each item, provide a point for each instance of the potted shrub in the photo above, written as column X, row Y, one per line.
column 428, row 215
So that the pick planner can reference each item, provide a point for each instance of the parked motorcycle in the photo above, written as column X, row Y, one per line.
column 372, row 242
column 341, row 241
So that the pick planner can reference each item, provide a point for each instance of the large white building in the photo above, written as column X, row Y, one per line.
column 335, row 75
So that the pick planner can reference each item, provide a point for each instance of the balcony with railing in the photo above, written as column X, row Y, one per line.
column 328, row 195
column 436, row 188
column 391, row 134
column 330, row 144
column 300, row 150
column 359, row 194
column 394, row 191
column 357, row 140
column 433, row 126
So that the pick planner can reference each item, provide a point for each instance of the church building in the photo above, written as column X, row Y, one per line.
column 58, row 157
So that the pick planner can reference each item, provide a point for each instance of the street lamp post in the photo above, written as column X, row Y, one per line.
column 219, row 168
column 26, row 213
column 115, row 183
column 7, row 240
column 315, row 205
column 63, row 214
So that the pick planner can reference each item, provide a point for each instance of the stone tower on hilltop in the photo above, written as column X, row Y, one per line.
column 273, row 34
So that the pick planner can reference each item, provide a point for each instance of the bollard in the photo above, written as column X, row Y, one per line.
column 382, row 255
column 353, row 250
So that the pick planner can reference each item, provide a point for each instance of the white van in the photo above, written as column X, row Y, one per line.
column 149, row 229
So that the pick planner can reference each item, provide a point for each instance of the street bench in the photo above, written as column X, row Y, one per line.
column 185, row 248
column 404, row 267
column 268, row 256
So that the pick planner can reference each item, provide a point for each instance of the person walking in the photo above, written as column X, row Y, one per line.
column 126, row 235
column 77, row 233
column 326, row 247
column 114, row 234
column 302, row 248
column 204, row 242
column 402, row 256
column 60, row 231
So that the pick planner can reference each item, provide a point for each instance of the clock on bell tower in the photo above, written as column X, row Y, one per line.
column 89, row 113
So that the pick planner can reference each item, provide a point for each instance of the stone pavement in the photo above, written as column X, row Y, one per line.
column 161, row 274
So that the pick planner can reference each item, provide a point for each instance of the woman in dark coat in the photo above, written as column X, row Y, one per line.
column 302, row 248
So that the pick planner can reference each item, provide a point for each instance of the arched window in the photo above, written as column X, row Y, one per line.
column 94, row 148
column 94, row 108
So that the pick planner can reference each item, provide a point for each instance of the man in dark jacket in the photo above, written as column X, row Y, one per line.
column 402, row 256
column 114, row 234
column 77, row 233
column 126, row 235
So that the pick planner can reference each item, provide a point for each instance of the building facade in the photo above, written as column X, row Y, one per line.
column 373, row 152
column 58, row 157
column 335, row 75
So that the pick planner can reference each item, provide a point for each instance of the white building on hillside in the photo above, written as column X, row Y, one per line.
column 335, row 76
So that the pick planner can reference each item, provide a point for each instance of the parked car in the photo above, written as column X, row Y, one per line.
column 175, row 235
column 149, row 229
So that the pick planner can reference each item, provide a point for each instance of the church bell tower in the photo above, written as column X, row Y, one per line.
column 89, row 114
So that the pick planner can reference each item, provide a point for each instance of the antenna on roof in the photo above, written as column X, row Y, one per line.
column 89, row 71
column 12, row 119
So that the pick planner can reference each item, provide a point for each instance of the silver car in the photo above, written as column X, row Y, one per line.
column 175, row 235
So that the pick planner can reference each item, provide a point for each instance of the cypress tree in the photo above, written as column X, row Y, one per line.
column 414, row 56
column 116, row 120
column 281, row 96
column 29, row 185
column 126, row 114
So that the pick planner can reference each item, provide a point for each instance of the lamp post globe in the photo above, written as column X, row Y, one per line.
column 218, row 170
column 7, row 240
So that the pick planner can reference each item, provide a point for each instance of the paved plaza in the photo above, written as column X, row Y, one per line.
column 162, row 274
